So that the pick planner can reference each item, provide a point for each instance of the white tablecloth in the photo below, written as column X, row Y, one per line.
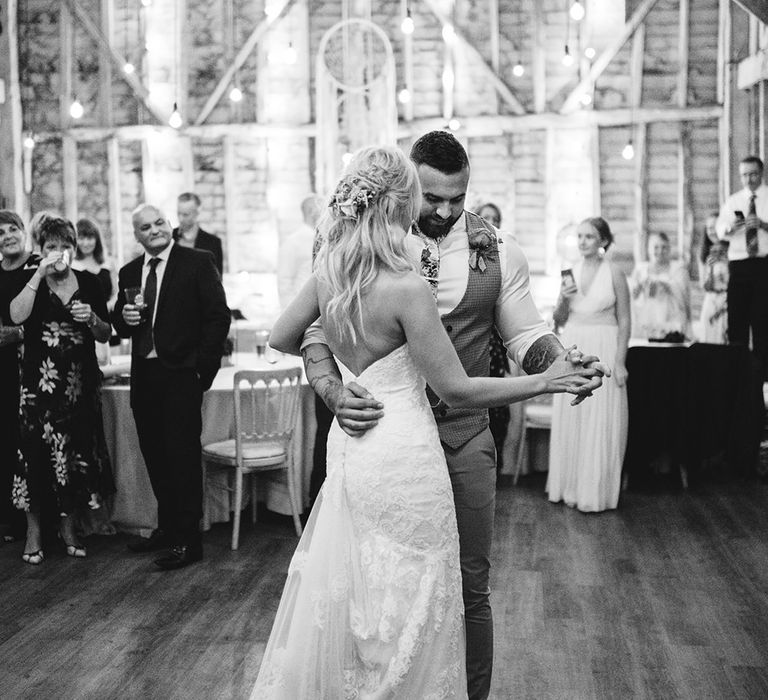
column 135, row 508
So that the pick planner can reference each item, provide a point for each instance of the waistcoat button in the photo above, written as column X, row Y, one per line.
column 449, row 328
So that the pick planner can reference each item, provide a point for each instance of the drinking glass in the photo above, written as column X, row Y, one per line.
column 135, row 296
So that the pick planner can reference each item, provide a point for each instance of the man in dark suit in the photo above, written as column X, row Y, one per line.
column 189, row 233
column 177, row 331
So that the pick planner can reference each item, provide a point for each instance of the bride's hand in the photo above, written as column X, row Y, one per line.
column 576, row 357
column 356, row 410
column 568, row 374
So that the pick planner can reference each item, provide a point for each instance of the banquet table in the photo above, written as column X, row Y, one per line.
column 694, row 408
column 134, row 508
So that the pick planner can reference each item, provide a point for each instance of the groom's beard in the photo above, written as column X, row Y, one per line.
column 435, row 227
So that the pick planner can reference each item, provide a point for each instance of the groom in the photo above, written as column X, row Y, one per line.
column 478, row 282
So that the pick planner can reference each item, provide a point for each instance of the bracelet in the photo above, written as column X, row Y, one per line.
column 34, row 289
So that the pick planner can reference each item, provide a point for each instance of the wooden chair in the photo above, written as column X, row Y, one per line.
column 537, row 415
column 267, row 406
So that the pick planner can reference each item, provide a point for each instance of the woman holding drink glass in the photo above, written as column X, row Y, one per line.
column 63, row 452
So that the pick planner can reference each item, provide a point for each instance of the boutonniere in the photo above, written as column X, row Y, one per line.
column 480, row 242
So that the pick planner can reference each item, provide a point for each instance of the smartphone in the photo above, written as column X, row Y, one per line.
column 568, row 281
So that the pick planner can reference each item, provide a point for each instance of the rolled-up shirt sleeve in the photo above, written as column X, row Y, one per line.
column 517, row 319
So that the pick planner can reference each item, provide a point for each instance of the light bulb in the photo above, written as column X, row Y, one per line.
column 236, row 94
column 76, row 110
column 29, row 142
column 407, row 26
column 590, row 53
column 175, row 119
column 518, row 70
column 585, row 99
column 628, row 152
column 404, row 96
column 146, row 3
column 128, row 68
column 577, row 11
column 448, row 33
column 567, row 58
column 346, row 158
column 454, row 124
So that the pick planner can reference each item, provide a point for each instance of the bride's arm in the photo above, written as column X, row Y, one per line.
column 438, row 362
column 288, row 331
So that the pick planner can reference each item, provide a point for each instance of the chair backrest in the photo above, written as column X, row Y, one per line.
column 267, row 404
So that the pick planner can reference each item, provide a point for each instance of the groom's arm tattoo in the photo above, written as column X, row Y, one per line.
column 322, row 373
column 542, row 354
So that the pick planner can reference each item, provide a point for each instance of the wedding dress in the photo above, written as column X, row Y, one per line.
column 372, row 607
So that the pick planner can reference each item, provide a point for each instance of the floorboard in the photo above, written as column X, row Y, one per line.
column 667, row 597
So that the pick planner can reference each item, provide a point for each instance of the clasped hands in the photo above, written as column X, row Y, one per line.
column 357, row 411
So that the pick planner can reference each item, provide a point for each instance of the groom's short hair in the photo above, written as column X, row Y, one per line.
column 440, row 150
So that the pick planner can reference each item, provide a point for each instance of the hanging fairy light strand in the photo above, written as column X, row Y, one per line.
column 567, row 59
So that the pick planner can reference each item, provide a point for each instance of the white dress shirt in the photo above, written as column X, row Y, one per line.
column 739, row 201
column 159, row 271
column 517, row 317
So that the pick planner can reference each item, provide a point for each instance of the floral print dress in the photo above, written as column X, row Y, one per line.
column 62, row 449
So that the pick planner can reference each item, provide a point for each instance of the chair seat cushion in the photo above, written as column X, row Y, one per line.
column 254, row 453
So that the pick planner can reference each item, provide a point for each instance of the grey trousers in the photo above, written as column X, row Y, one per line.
column 472, row 468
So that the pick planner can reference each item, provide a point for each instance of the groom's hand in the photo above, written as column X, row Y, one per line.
column 356, row 410
column 576, row 358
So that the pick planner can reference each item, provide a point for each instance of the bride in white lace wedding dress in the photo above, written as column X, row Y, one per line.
column 372, row 607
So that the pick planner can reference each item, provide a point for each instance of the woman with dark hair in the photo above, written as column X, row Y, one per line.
column 588, row 441
column 713, row 273
column 91, row 257
column 16, row 266
column 62, row 448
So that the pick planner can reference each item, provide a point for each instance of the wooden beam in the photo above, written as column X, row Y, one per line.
column 502, row 88
column 230, row 205
column 759, row 8
column 65, row 66
column 539, row 57
column 245, row 50
column 682, row 48
column 105, row 65
column 601, row 62
column 752, row 70
column 407, row 66
column 141, row 93
column 493, row 30
column 69, row 176
column 117, row 247
column 724, row 97
column 12, row 194
column 684, row 148
column 641, row 192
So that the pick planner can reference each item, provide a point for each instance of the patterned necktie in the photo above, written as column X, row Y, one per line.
column 144, row 340
column 752, row 232
column 430, row 258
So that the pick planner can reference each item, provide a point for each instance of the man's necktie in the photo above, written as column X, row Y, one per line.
column 144, row 340
column 430, row 259
column 752, row 232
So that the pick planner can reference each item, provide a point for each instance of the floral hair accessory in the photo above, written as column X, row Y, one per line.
column 350, row 199
column 480, row 242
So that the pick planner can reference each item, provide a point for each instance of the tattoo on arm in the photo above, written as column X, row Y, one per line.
column 322, row 372
column 542, row 354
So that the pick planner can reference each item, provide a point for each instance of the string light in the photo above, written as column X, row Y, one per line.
column 628, row 152
column 146, row 3
column 407, row 26
column 448, row 33
column 175, row 119
column 236, row 94
column 29, row 141
column 577, row 11
column 346, row 159
column 128, row 68
column 76, row 109
column 590, row 53
column 567, row 59
column 586, row 99
column 454, row 124
column 404, row 96
column 518, row 70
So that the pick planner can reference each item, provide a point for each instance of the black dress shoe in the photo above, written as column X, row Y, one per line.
column 180, row 556
column 156, row 541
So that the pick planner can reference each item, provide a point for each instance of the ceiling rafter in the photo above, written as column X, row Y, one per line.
column 139, row 90
column 571, row 102
column 503, row 89
column 759, row 8
column 245, row 50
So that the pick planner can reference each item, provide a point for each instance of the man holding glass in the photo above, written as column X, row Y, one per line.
column 172, row 305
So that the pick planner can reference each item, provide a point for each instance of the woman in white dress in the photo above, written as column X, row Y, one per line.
column 372, row 607
column 588, row 441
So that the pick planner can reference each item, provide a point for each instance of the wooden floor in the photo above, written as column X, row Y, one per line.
column 665, row 598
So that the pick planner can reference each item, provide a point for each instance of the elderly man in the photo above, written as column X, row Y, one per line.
column 479, row 280
column 177, row 327
column 190, row 235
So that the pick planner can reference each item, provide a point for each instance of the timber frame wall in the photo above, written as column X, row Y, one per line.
column 685, row 81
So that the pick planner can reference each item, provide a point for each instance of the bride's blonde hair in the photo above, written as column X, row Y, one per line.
column 363, row 229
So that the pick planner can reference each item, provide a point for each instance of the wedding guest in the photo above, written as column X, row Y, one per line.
column 372, row 606
column 91, row 257
column 661, row 305
column 17, row 265
column 294, row 261
column 587, row 443
column 498, row 417
column 62, row 447
column 177, row 341
column 189, row 234
column 36, row 222
column 478, row 279
column 743, row 222
column 713, row 273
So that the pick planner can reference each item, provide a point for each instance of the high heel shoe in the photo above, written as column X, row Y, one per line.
column 34, row 558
